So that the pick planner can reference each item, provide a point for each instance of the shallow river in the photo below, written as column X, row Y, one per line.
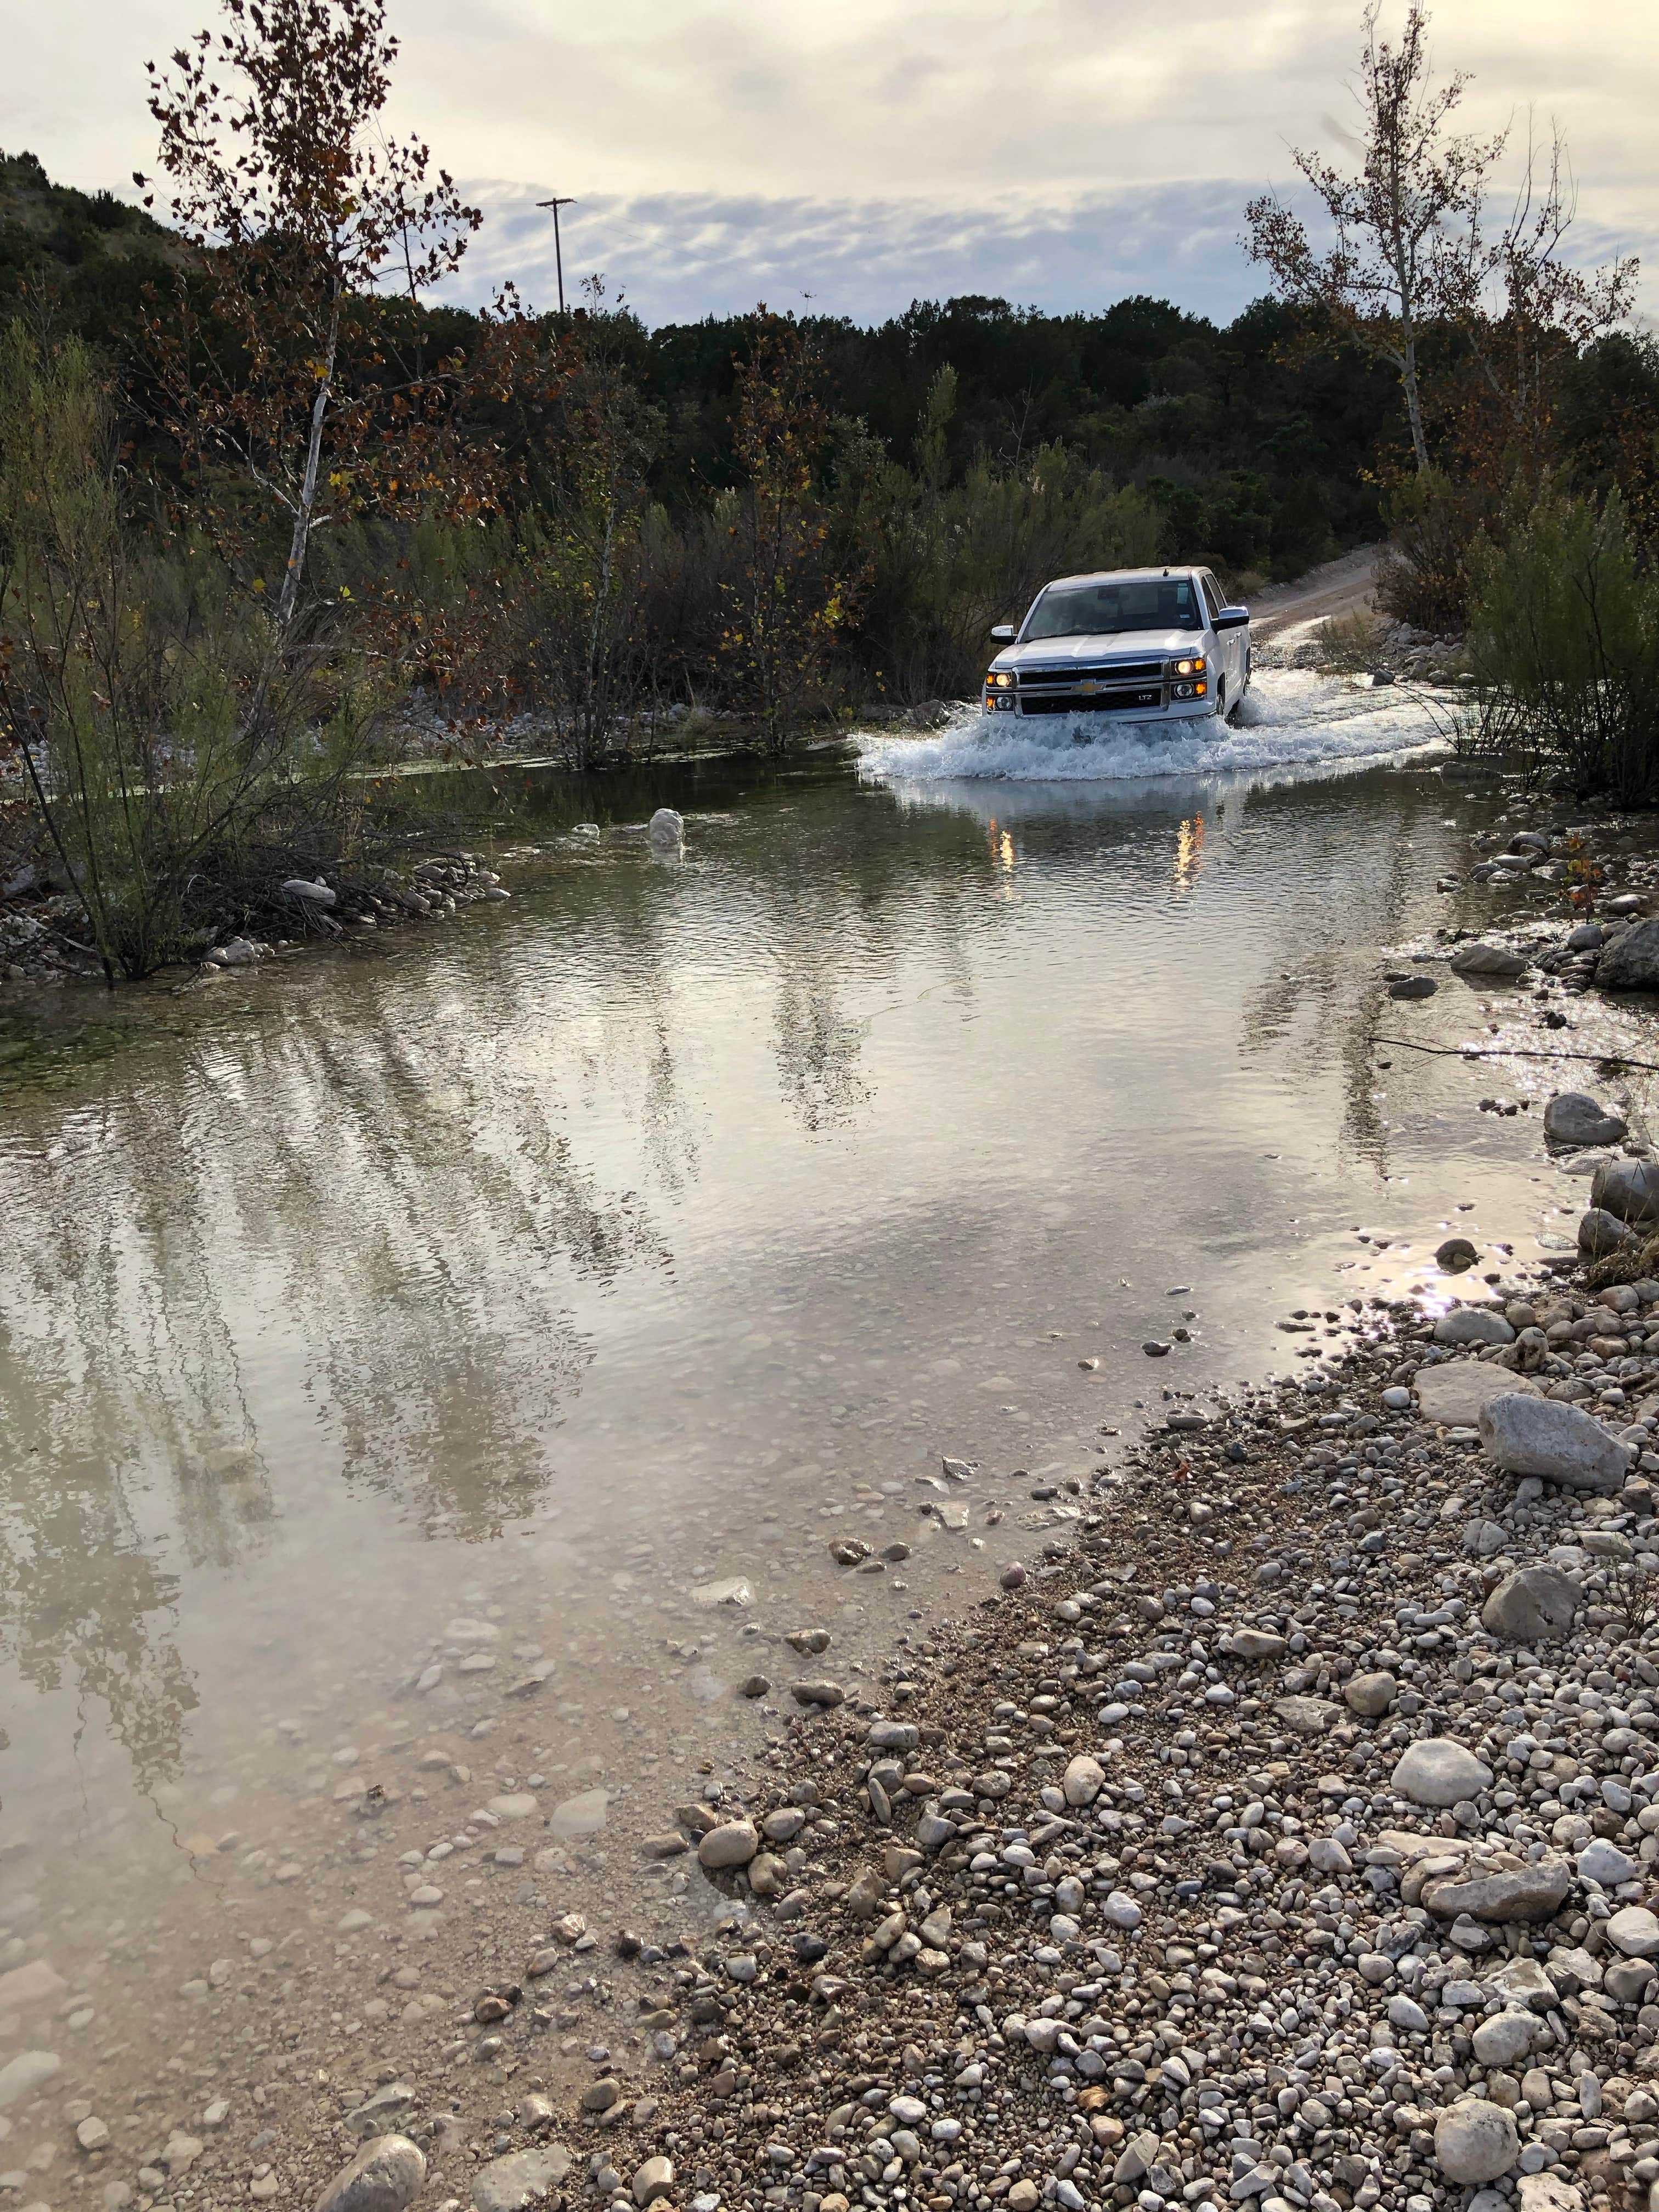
column 395, row 1341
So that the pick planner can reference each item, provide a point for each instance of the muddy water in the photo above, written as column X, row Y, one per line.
column 396, row 1342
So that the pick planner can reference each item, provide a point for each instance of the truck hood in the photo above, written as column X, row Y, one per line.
column 1113, row 645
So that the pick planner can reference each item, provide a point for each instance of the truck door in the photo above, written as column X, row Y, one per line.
column 1231, row 647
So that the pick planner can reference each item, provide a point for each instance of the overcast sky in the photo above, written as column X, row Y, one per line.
column 1058, row 152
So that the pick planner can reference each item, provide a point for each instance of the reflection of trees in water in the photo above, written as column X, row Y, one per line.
column 362, row 1205
column 81, row 1602
column 1367, row 882
column 346, row 1225
column 818, row 1047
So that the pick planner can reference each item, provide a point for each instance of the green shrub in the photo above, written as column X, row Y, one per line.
column 1564, row 639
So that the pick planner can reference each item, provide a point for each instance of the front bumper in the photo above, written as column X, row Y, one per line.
column 1160, row 708
column 1148, row 691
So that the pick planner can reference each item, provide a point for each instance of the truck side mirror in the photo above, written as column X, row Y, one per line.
column 1003, row 633
column 1232, row 618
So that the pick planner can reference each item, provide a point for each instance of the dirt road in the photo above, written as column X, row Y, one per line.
column 1285, row 614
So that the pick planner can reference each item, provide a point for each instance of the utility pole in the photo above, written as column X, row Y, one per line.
column 558, row 255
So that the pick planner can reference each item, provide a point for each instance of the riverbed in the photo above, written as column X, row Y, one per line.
column 433, row 1370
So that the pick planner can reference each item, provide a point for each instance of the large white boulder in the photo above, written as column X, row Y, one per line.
column 1526, row 1435
column 1475, row 2141
column 1439, row 1773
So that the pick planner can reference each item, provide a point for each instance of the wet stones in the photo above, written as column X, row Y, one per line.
column 1526, row 1435
column 1412, row 987
column 1455, row 1257
column 1631, row 963
column 1575, row 1120
column 386, row 2175
column 1480, row 957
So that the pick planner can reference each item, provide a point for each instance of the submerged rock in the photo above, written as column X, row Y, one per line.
column 666, row 829
column 523, row 2179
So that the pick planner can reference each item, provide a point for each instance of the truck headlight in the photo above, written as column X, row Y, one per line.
column 1190, row 667
column 1001, row 678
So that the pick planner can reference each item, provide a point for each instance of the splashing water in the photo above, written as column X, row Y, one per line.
column 1289, row 717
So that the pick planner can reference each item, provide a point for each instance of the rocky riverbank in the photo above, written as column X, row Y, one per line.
column 1288, row 1835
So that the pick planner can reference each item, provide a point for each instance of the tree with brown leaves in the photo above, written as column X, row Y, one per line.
column 295, row 358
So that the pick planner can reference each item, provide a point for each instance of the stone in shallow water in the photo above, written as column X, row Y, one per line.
column 516, row 1807
column 21, row 2076
column 512, row 2183
column 734, row 1590
column 585, row 1815
column 1573, row 1117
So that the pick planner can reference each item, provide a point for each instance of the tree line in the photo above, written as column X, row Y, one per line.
column 261, row 497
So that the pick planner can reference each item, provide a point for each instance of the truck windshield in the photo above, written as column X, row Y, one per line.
column 1134, row 603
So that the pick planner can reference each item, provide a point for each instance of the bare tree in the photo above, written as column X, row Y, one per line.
column 1528, row 312
column 1403, row 222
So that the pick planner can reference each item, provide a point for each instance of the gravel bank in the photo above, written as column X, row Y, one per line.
column 1287, row 1835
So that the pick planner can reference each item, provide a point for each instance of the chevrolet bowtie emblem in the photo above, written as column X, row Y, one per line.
column 1088, row 685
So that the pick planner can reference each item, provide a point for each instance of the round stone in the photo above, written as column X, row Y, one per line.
column 1439, row 1772
column 1475, row 2141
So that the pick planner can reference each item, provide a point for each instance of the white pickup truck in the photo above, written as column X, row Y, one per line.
column 1143, row 645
